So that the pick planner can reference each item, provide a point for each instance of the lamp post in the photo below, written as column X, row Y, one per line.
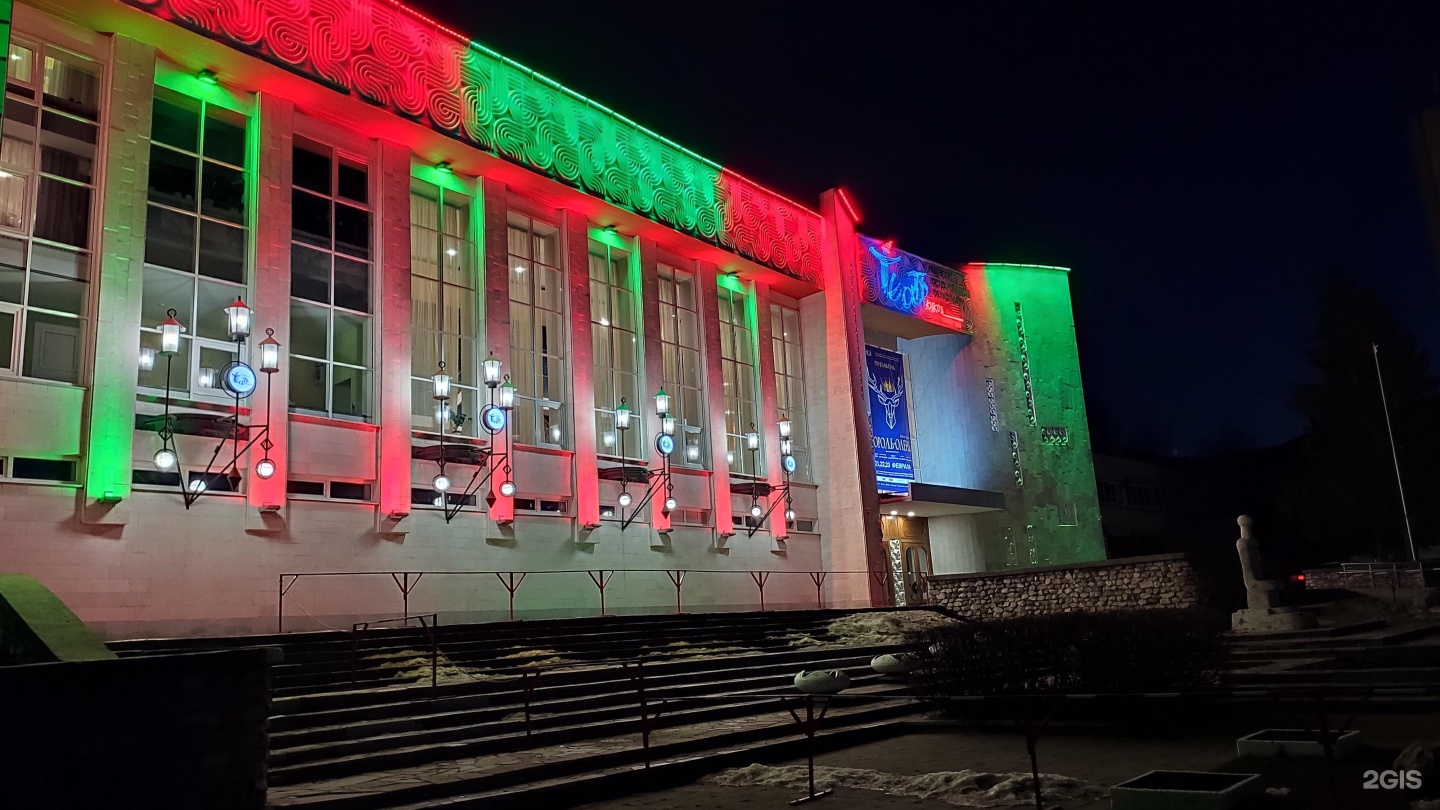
column 494, row 418
column 788, row 466
column 654, row 479
column 237, row 379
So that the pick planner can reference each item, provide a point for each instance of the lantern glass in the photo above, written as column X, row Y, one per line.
column 440, row 386
column 165, row 459
column 752, row 440
column 237, row 315
column 264, row 468
column 170, row 330
column 625, row 499
column 662, row 402
column 441, row 482
column 755, row 510
column 507, row 395
column 692, row 452
column 670, row 504
column 667, row 425
column 784, row 425
column 789, row 514
column 507, row 489
column 491, row 365
column 442, row 414
column 207, row 377
column 622, row 416
column 269, row 355
column 785, row 447
column 147, row 358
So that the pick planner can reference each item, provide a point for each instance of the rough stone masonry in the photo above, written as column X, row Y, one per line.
column 1160, row 581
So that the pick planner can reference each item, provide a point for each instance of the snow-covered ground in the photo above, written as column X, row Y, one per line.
column 959, row 788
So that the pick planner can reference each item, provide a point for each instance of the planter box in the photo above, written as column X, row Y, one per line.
column 1185, row 790
column 1272, row 742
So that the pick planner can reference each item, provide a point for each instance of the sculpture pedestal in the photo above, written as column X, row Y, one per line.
column 1271, row 620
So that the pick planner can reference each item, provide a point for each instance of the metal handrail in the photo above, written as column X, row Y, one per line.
column 406, row 581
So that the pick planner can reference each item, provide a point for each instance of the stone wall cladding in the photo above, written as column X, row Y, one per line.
column 1163, row 581
column 1363, row 579
column 163, row 731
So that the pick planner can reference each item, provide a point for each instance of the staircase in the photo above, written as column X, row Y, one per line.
column 527, row 709
column 1359, row 655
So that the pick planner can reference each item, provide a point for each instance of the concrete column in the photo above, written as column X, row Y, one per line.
column 849, row 500
column 582, row 369
column 653, row 371
column 496, row 263
column 272, row 296
column 707, row 291
column 121, row 260
column 392, row 367
column 769, row 410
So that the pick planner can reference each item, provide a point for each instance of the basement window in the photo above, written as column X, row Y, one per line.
column 428, row 497
column 57, row 471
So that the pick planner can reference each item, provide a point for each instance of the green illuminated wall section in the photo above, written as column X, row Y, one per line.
column 1052, row 514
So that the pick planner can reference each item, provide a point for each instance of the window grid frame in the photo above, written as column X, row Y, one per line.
column 13, row 366
column 422, row 378
column 632, row 443
column 735, row 308
column 544, row 351
column 690, row 426
column 781, row 344
column 338, row 155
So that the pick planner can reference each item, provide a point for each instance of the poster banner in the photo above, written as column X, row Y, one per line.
column 889, row 420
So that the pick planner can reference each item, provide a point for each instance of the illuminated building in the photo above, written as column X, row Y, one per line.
column 385, row 196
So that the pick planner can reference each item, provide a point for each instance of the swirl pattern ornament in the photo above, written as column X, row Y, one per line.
column 393, row 58
column 907, row 283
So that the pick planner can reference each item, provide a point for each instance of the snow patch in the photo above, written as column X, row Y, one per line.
column 960, row 788
column 872, row 628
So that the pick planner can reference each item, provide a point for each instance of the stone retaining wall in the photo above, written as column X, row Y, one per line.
column 1160, row 581
column 1360, row 579
column 163, row 731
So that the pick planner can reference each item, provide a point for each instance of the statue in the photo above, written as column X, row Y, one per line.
column 1263, row 612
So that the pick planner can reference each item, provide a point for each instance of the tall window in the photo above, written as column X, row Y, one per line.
column 443, row 309
column 195, row 239
column 330, row 351
column 537, row 331
column 614, row 327
column 737, row 366
column 47, row 190
column 680, row 354
column 790, row 383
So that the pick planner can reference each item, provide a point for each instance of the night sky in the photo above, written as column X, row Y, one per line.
column 1198, row 171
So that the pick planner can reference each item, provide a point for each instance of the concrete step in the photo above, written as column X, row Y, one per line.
column 467, row 783
column 604, row 689
column 1332, row 631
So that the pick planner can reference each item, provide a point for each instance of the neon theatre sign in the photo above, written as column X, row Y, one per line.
column 908, row 284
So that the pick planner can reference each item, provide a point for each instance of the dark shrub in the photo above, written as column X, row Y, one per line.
column 1071, row 653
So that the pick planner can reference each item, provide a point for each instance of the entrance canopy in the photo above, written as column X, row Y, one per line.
column 931, row 500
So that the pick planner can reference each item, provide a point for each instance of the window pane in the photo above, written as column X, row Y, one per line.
column 12, row 270
column 7, row 339
column 22, row 65
column 72, row 88
column 309, row 330
column 210, row 303
column 459, row 313
column 352, row 231
column 457, row 262
column 176, row 120
column 54, row 292
column 550, row 292
column 18, row 147
column 165, row 291
column 689, row 333
column 310, row 219
column 170, row 239
column 311, row 167
column 352, row 339
column 518, row 241
column 52, row 347
column 685, row 291
column 309, row 274
column 625, row 352
column 423, row 246
column 552, row 334
column 522, row 330
column 521, row 276
column 67, row 147
column 225, row 135
column 308, row 383
column 60, row 262
column 353, row 183
column 178, row 366
column 212, row 361
column 424, row 303
column 222, row 193
column 172, row 178
column 222, row 251
column 352, row 284
column 12, row 202
column 63, row 213
column 547, row 244
column 350, row 391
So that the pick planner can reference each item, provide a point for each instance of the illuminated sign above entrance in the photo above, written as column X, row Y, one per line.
column 906, row 283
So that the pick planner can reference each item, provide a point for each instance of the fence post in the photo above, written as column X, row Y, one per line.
column 760, row 577
column 600, row 582
column 677, row 578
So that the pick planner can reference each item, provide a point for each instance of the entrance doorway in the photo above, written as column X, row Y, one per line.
column 907, row 547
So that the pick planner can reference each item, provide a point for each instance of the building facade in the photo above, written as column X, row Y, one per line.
column 403, row 211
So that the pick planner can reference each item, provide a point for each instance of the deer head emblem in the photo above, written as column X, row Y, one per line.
column 888, row 393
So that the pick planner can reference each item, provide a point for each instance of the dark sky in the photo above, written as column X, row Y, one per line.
column 1197, row 169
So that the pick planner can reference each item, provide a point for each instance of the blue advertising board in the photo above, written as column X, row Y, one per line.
column 889, row 420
